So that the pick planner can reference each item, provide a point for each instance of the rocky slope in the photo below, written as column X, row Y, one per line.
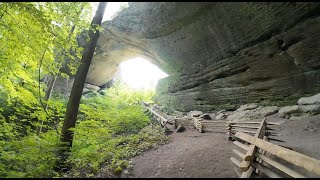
column 217, row 54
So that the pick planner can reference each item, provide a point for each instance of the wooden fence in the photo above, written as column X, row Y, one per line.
column 255, row 149
column 161, row 120
column 231, row 128
column 208, row 125
column 257, row 159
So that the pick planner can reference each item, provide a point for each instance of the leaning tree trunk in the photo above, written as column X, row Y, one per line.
column 76, row 91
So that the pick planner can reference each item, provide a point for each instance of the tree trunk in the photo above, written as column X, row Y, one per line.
column 77, row 88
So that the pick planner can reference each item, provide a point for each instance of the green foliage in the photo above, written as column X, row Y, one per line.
column 31, row 156
column 111, row 128
column 33, row 38
column 90, row 152
column 37, row 39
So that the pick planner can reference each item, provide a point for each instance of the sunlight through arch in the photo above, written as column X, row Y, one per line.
column 139, row 73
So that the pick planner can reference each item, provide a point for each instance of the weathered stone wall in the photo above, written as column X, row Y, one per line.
column 218, row 54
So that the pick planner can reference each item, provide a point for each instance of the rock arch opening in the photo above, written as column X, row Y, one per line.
column 139, row 73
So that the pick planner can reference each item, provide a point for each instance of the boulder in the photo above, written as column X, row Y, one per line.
column 178, row 113
column 312, row 109
column 297, row 118
column 247, row 107
column 170, row 118
column 288, row 110
column 250, row 112
column 267, row 110
column 155, row 107
column 310, row 100
column 287, row 116
column 91, row 87
column 180, row 128
column 221, row 116
column 221, row 111
column 205, row 116
column 195, row 113
column 187, row 117
column 240, row 116
column 185, row 121
column 213, row 115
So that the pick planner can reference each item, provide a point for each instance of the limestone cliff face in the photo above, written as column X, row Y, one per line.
column 217, row 54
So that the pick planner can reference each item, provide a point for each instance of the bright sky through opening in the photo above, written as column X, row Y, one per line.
column 111, row 9
column 139, row 73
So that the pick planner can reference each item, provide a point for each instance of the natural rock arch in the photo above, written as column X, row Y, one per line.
column 217, row 54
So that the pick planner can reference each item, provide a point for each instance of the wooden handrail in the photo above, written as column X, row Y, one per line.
column 245, row 164
column 266, row 170
column 242, row 146
column 279, row 166
column 249, row 127
column 249, row 122
column 250, row 153
column 162, row 120
column 298, row 159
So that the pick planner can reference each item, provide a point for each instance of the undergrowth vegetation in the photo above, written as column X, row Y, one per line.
column 40, row 41
column 111, row 128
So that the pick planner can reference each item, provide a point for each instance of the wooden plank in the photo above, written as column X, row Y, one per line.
column 274, row 123
column 221, row 127
column 249, row 127
column 244, row 165
column 272, row 129
column 213, row 125
column 235, row 161
column 252, row 148
column 240, row 154
column 298, row 159
column 249, row 122
column 272, row 134
column 248, row 173
column 245, row 131
column 244, row 122
column 279, row 166
column 211, row 121
column 161, row 119
column 266, row 171
column 229, row 132
column 275, row 139
column 242, row 146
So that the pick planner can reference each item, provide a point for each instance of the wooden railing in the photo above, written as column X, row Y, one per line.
column 230, row 127
column 251, row 128
column 162, row 121
column 256, row 157
column 208, row 125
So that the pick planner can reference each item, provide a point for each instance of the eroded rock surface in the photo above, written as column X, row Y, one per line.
column 309, row 100
column 306, row 106
column 194, row 113
column 218, row 55
column 249, row 112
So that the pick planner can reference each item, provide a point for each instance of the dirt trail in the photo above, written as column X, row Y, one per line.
column 190, row 155
column 195, row 155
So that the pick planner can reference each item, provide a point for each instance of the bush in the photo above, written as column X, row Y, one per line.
column 111, row 128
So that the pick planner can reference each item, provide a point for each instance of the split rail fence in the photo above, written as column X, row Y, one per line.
column 256, row 152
